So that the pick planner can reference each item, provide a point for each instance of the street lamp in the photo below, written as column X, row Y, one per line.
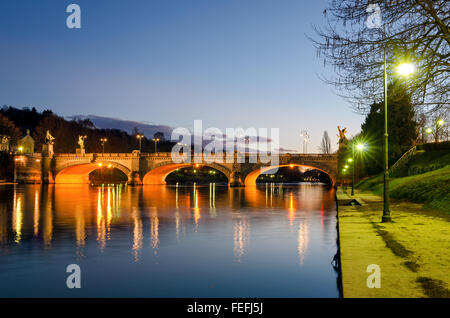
column 139, row 137
column 439, row 123
column 359, row 147
column 103, row 141
column 344, row 172
column 404, row 69
column 155, row 140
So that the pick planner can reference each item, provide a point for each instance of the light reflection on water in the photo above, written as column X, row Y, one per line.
column 168, row 241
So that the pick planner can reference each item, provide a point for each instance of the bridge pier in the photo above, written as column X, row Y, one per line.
column 46, row 168
column 235, row 179
column 134, row 178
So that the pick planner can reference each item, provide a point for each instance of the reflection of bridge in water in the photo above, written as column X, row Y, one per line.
column 139, row 168
column 101, row 213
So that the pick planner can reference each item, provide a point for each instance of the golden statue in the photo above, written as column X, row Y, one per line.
column 341, row 135
column 49, row 139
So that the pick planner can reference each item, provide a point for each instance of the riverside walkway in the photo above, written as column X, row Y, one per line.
column 412, row 252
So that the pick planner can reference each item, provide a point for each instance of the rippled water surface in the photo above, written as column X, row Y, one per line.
column 164, row 241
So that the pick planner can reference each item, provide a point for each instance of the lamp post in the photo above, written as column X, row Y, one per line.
column 155, row 140
column 403, row 69
column 103, row 141
column 439, row 123
column 139, row 137
column 344, row 173
column 352, row 160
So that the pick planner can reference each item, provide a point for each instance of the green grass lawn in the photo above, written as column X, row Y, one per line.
column 430, row 188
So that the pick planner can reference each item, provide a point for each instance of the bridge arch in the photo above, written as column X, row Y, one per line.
column 79, row 172
column 158, row 174
column 250, row 178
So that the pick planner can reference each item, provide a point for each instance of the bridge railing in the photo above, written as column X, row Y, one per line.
column 168, row 155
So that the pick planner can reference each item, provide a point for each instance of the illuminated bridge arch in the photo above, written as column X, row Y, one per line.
column 79, row 172
column 251, row 176
column 158, row 174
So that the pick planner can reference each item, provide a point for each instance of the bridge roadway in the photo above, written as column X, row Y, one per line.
column 152, row 168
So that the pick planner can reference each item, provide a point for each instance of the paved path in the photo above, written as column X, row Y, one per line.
column 413, row 252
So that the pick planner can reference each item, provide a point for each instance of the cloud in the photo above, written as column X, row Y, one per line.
column 126, row 125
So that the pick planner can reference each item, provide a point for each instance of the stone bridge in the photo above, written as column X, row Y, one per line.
column 240, row 169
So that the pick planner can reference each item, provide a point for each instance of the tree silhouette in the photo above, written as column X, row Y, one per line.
column 414, row 30
column 325, row 144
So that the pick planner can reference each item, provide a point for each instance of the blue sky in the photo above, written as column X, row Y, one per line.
column 230, row 63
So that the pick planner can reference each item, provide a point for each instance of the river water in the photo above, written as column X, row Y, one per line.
column 168, row 241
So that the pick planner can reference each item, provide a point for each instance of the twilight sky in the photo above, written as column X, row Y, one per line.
column 230, row 63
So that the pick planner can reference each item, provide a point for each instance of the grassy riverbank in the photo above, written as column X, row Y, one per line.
column 412, row 251
column 431, row 188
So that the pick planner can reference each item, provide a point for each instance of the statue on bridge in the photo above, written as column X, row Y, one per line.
column 47, row 147
column 49, row 139
column 81, row 140
column 341, row 134
column 80, row 150
column 4, row 144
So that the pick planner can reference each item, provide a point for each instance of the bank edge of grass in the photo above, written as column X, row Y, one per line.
column 431, row 188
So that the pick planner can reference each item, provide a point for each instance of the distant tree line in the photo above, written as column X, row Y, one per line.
column 14, row 122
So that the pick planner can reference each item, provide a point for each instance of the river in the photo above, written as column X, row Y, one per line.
column 168, row 241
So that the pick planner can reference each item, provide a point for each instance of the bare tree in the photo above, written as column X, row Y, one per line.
column 325, row 145
column 357, row 33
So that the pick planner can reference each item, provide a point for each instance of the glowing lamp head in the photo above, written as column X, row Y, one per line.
column 291, row 166
column 100, row 164
column 428, row 130
column 350, row 159
column 360, row 147
column 440, row 122
column 20, row 149
column 346, row 166
column 406, row 69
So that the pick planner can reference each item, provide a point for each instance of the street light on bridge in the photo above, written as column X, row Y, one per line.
column 139, row 137
column 103, row 141
column 155, row 140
